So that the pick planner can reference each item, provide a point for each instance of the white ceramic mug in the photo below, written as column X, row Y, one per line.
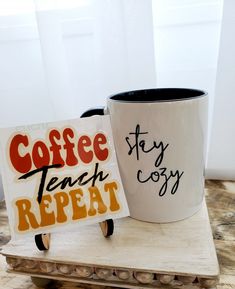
column 160, row 141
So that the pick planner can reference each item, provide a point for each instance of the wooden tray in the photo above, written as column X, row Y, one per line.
column 139, row 254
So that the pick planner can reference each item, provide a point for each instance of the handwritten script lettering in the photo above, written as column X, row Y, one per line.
column 139, row 147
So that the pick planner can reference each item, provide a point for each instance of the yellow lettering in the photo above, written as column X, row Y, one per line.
column 79, row 212
column 25, row 215
column 47, row 218
column 62, row 200
column 112, row 188
column 95, row 197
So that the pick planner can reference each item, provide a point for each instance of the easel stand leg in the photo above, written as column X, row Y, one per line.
column 42, row 241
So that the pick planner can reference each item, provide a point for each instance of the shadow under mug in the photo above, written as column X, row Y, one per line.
column 160, row 141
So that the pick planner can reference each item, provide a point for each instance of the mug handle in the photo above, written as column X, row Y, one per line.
column 107, row 226
column 93, row 111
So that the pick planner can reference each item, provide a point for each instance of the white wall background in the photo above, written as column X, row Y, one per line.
column 187, row 34
column 49, row 55
column 194, row 47
column 221, row 158
column 56, row 63
column 63, row 59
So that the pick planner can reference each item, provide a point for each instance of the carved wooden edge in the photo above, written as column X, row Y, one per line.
column 115, row 276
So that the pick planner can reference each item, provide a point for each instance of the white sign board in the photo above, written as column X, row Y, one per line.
column 57, row 176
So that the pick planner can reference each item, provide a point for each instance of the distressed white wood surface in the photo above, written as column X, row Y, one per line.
column 184, row 248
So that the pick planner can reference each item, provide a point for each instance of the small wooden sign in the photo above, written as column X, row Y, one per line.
column 59, row 175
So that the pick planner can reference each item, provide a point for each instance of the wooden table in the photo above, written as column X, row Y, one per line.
column 221, row 204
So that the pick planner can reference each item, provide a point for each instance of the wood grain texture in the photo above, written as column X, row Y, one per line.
column 220, row 197
column 221, row 205
column 179, row 248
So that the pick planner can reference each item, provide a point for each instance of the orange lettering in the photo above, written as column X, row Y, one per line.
column 40, row 154
column 21, row 163
column 71, row 159
column 55, row 148
column 85, row 155
column 101, row 154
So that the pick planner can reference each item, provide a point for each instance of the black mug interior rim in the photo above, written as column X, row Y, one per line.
column 158, row 95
